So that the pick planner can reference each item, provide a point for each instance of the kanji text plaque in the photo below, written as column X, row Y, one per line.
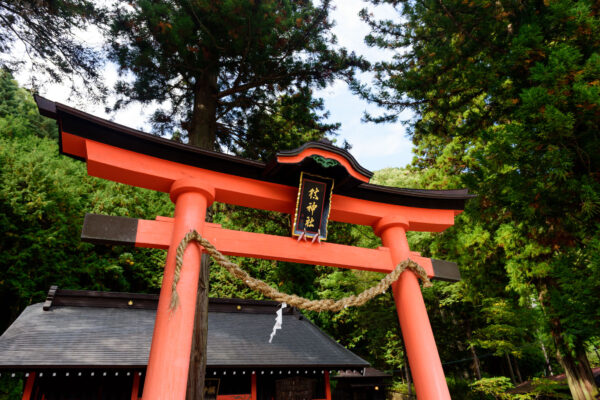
column 312, row 206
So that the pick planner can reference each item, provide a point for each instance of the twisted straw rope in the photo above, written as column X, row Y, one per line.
column 292, row 300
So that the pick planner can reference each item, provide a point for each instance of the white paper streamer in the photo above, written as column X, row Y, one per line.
column 278, row 320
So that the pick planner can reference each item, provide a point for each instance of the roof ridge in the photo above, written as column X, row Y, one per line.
column 92, row 298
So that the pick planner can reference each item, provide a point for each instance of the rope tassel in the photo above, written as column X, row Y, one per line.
column 291, row 299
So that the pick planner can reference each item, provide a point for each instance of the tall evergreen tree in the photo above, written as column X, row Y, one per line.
column 46, row 31
column 215, row 63
column 225, row 69
column 507, row 95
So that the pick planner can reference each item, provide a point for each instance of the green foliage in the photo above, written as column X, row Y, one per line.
column 43, row 199
column 502, row 389
column 506, row 98
column 19, row 116
column 507, row 327
column 292, row 121
column 547, row 388
column 47, row 32
column 494, row 388
column 11, row 388
column 225, row 65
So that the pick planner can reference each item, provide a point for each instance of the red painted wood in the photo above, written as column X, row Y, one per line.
column 136, row 169
column 254, row 392
column 28, row 391
column 234, row 397
column 169, row 356
column 154, row 234
column 157, row 234
column 327, row 386
column 425, row 364
column 135, row 388
column 167, row 373
column 312, row 151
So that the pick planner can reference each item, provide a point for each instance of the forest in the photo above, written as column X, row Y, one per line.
column 505, row 100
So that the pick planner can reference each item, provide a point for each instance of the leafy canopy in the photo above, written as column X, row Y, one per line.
column 46, row 33
column 218, row 66
column 506, row 98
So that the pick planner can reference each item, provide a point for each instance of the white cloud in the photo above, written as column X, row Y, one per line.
column 375, row 146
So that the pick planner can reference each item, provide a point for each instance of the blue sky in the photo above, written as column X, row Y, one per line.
column 375, row 146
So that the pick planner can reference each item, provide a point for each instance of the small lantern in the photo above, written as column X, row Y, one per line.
column 312, row 207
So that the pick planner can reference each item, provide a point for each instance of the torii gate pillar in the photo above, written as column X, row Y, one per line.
column 172, row 338
column 425, row 363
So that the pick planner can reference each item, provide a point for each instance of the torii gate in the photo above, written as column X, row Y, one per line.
column 195, row 178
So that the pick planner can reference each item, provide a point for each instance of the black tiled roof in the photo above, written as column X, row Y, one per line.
column 92, row 336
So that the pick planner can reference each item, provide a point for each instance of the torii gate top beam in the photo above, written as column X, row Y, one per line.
column 122, row 154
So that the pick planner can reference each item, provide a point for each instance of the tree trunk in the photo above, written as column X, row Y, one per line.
column 510, row 369
column 517, row 370
column 202, row 129
column 476, row 364
column 577, row 367
column 197, row 372
column 548, row 366
column 579, row 375
column 202, row 133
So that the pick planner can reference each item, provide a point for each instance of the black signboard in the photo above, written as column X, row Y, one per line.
column 312, row 207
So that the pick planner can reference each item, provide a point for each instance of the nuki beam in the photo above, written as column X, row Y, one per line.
column 104, row 229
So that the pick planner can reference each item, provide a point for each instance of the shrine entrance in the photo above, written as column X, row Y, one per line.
column 313, row 183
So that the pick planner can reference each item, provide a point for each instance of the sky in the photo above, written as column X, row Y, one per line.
column 375, row 146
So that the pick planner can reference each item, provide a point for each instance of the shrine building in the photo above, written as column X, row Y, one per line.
column 84, row 345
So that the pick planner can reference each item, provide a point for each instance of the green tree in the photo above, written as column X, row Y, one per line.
column 292, row 121
column 46, row 30
column 43, row 199
column 215, row 63
column 19, row 116
column 231, row 73
column 506, row 100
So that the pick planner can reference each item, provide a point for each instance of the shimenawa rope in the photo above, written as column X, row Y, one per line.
column 290, row 299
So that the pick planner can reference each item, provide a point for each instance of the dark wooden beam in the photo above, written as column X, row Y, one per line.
column 445, row 270
column 50, row 297
column 105, row 229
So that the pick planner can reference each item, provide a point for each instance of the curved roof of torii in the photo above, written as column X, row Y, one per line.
column 319, row 158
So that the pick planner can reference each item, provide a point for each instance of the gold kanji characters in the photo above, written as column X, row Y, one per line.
column 309, row 222
column 312, row 206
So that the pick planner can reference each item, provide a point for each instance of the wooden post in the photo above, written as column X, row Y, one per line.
column 423, row 357
column 135, row 388
column 198, row 356
column 168, row 365
column 254, row 391
column 28, row 391
column 327, row 386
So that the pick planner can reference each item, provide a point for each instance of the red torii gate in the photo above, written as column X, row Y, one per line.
column 195, row 178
